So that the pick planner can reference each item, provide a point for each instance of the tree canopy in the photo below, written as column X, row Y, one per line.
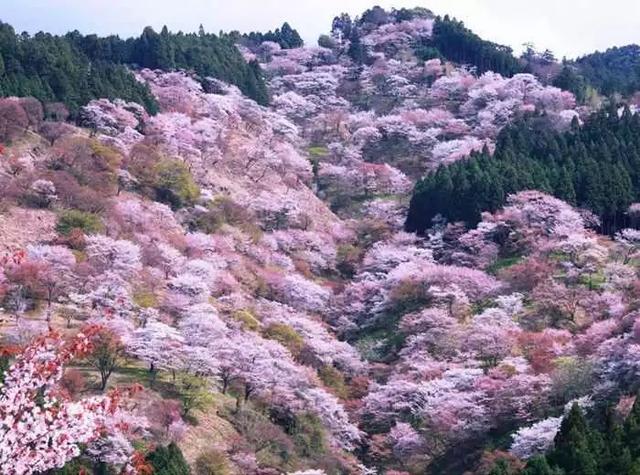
column 53, row 69
column 455, row 42
column 614, row 70
column 595, row 167
column 286, row 36
column 75, row 68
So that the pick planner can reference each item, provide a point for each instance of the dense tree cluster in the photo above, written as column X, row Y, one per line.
column 604, row 444
column 55, row 69
column 285, row 36
column 453, row 41
column 43, row 428
column 614, row 70
column 246, row 268
column 207, row 54
column 169, row 294
column 75, row 69
column 449, row 40
column 569, row 79
column 594, row 166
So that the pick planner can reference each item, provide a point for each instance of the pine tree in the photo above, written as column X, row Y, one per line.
column 357, row 50
column 596, row 167
column 576, row 449
column 168, row 461
column 616, row 456
column 540, row 466
column 632, row 429
column 563, row 187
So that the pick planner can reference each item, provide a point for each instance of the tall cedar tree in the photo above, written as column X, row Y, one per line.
column 540, row 466
column 596, row 166
column 168, row 461
column 286, row 36
column 577, row 449
column 75, row 69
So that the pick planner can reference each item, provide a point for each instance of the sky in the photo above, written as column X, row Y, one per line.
column 567, row 27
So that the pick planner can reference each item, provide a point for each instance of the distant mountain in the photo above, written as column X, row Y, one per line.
column 615, row 70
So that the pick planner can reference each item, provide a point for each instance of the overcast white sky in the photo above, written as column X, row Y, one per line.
column 567, row 27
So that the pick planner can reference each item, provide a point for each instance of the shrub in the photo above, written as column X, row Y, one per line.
column 168, row 461
column 246, row 318
column 72, row 219
column 212, row 462
column 334, row 379
column 286, row 336
column 174, row 184
column 308, row 435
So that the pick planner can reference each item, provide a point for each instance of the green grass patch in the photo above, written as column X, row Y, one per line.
column 503, row 263
column 318, row 151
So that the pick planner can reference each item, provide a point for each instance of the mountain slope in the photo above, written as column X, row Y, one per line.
column 237, row 278
column 614, row 70
column 594, row 167
column 74, row 69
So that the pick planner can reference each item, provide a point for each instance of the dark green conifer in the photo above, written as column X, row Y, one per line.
column 576, row 448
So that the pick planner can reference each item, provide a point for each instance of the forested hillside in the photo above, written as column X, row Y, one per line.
column 614, row 70
column 285, row 36
column 594, row 167
column 450, row 40
column 196, row 281
column 608, row 444
column 53, row 69
column 75, row 69
column 454, row 42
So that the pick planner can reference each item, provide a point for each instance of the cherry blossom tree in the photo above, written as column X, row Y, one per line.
column 56, row 269
column 320, row 343
column 159, row 345
column 118, row 256
column 629, row 243
column 111, row 118
column 491, row 336
column 536, row 439
column 41, row 430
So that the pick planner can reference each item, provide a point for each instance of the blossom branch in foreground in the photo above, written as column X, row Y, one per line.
column 40, row 428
